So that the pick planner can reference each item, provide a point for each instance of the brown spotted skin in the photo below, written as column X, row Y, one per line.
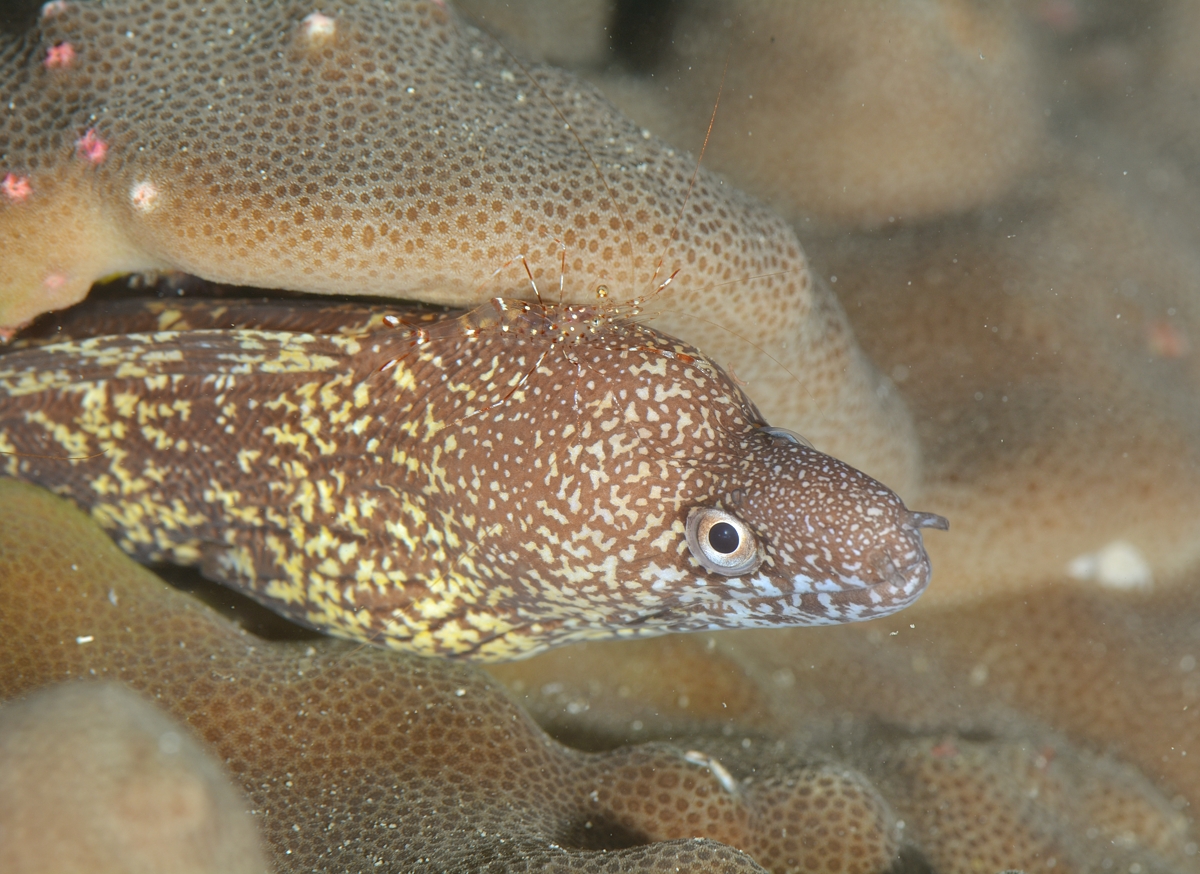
column 454, row 484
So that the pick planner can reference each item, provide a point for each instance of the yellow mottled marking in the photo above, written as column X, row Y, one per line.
column 246, row 459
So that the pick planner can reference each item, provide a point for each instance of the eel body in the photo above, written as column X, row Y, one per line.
column 482, row 484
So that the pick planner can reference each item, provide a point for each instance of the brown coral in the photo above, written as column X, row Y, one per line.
column 93, row 778
column 1043, row 341
column 850, row 113
column 358, row 757
column 945, row 710
column 395, row 150
column 1052, row 422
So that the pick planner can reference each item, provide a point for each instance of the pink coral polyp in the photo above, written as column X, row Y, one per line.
column 16, row 188
column 60, row 56
column 91, row 147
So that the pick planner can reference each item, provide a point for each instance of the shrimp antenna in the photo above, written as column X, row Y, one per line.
column 56, row 457
column 728, row 330
column 712, row 120
column 623, row 233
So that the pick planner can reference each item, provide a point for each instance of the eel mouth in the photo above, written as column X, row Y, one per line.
column 905, row 581
column 905, row 573
column 912, row 578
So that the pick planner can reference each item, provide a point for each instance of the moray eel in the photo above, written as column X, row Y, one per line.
column 483, row 484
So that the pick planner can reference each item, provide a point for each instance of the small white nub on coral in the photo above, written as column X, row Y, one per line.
column 1117, row 565
column 144, row 196
column 715, row 768
column 318, row 27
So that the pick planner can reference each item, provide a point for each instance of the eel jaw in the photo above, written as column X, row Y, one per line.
column 909, row 580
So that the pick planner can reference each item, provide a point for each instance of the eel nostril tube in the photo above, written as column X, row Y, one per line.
column 927, row 520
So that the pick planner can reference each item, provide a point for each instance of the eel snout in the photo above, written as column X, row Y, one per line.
column 903, row 561
column 838, row 545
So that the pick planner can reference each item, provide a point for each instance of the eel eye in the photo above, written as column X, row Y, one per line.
column 722, row 542
column 790, row 436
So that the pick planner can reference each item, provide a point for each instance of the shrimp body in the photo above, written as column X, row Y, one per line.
column 451, row 484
